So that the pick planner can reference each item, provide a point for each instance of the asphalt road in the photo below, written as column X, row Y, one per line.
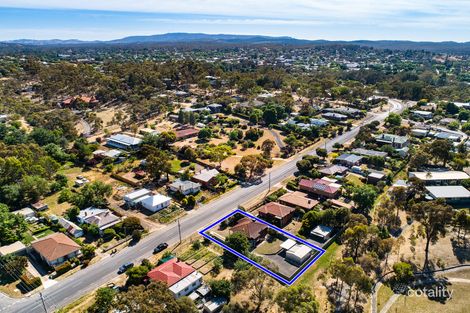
column 86, row 128
column 85, row 281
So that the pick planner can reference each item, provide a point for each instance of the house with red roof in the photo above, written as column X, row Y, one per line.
column 56, row 248
column 276, row 213
column 298, row 199
column 322, row 187
column 181, row 278
column 254, row 230
column 185, row 133
column 73, row 101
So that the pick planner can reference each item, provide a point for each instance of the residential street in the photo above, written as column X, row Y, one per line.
column 97, row 274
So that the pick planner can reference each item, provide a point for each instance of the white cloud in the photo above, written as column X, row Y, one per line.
column 347, row 9
column 393, row 16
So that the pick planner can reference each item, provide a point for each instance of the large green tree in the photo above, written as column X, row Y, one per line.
column 434, row 216
column 238, row 242
column 297, row 299
column 158, row 162
column 154, row 298
column 364, row 197
column 93, row 194
column 12, row 226
column 104, row 301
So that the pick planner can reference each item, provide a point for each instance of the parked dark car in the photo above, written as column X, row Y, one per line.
column 160, row 247
column 125, row 267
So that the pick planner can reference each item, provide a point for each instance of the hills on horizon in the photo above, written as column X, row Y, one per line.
column 201, row 38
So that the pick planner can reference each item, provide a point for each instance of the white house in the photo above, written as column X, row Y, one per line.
column 133, row 198
column 27, row 213
column 156, row 202
column 423, row 114
column 122, row 141
column 418, row 132
column 186, row 285
column 322, row 232
column 181, row 278
column 72, row 228
column 214, row 305
column 440, row 178
column 298, row 254
column 15, row 248
column 3, row 118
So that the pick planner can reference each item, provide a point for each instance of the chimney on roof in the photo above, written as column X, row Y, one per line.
column 309, row 201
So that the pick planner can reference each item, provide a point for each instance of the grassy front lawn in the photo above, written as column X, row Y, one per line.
column 168, row 215
column 269, row 247
column 355, row 180
column 44, row 233
column 54, row 207
column 175, row 166
column 27, row 238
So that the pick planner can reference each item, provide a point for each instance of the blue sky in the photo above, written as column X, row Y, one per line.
column 421, row 20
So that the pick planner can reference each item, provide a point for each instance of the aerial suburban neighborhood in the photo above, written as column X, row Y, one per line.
column 224, row 173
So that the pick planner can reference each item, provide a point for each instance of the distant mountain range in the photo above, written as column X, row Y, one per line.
column 448, row 46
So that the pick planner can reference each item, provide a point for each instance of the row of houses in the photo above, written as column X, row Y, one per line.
column 424, row 132
column 446, row 185
column 313, row 122
column 132, row 143
column 156, row 202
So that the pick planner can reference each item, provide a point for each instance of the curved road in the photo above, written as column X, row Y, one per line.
column 86, row 127
column 88, row 279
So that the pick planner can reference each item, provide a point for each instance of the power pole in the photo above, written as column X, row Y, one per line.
column 179, row 229
column 43, row 303
column 269, row 180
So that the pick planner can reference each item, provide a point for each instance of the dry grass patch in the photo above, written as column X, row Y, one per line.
column 383, row 295
column 458, row 304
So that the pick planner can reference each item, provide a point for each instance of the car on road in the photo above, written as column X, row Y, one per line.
column 160, row 247
column 125, row 267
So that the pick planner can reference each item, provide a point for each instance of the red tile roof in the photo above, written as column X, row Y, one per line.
column 298, row 199
column 181, row 133
column 68, row 101
column 55, row 246
column 318, row 184
column 170, row 272
column 276, row 209
column 252, row 229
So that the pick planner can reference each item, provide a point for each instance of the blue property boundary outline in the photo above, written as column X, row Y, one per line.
column 267, row 271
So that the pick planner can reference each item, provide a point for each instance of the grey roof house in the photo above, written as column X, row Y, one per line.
column 122, row 141
column 451, row 194
column 369, row 153
column 348, row 159
column 398, row 142
column 99, row 217
column 186, row 187
column 206, row 177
